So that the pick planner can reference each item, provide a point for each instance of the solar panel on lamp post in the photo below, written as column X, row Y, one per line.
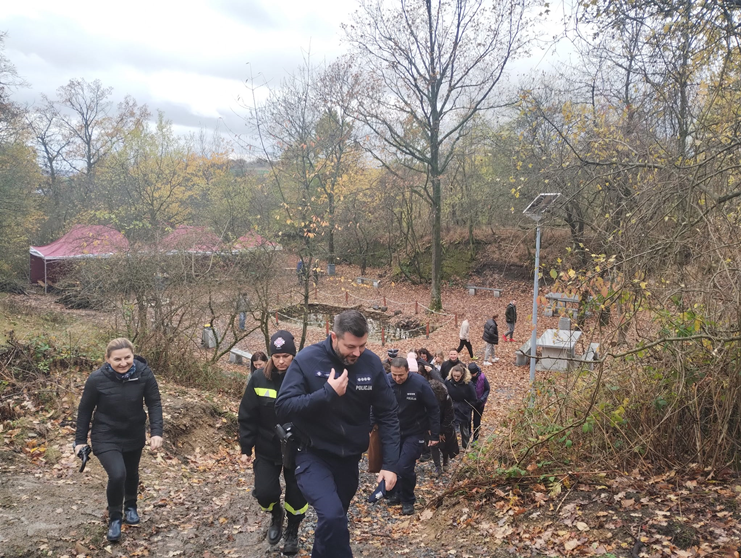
column 536, row 210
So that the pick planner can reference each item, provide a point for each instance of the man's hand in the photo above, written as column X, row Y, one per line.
column 338, row 383
column 155, row 442
column 389, row 477
column 433, row 443
column 245, row 459
column 78, row 447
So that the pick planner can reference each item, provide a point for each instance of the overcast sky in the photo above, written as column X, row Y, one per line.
column 188, row 58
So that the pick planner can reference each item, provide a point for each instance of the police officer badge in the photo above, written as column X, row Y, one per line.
column 279, row 342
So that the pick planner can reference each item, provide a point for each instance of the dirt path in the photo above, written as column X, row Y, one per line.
column 192, row 504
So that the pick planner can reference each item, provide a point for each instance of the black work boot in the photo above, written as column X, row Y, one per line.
column 114, row 530
column 291, row 545
column 275, row 531
column 131, row 517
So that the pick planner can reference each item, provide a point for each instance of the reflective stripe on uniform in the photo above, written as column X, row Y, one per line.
column 266, row 392
column 292, row 511
column 269, row 508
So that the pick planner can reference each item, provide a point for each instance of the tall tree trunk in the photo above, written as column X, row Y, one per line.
column 330, row 240
column 437, row 251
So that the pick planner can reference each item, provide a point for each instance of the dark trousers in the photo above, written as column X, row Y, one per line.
column 465, row 427
column 329, row 484
column 478, row 411
column 467, row 345
column 406, row 482
column 267, row 487
column 123, row 479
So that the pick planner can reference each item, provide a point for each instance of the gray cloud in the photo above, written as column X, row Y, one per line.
column 251, row 14
column 49, row 51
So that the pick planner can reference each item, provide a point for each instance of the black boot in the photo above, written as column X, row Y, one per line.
column 114, row 530
column 131, row 517
column 275, row 531
column 291, row 545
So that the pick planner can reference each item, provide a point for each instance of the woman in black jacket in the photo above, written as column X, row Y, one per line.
column 463, row 394
column 257, row 430
column 116, row 393
column 448, row 446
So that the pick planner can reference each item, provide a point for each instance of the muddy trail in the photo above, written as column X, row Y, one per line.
column 195, row 501
column 195, row 498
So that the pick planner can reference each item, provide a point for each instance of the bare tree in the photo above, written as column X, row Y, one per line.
column 96, row 127
column 429, row 67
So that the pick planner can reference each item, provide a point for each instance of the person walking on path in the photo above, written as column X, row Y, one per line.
column 491, row 338
column 510, row 316
column 482, row 394
column 257, row 431
column 448, row 446
column 448, row 365
column 418, row 414
column 113, row 399
column 465, row 337
column 327, row 394
column 463, row 394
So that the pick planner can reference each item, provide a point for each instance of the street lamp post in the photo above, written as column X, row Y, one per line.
column 536, row 210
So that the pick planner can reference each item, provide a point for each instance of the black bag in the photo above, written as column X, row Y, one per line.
column 288, row 444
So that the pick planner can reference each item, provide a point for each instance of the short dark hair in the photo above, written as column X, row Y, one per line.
column 400, row 362
column 350, row 321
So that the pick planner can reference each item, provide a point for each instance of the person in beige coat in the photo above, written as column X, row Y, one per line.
column 465, row 337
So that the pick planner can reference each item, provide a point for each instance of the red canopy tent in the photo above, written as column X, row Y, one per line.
column 82, row 241
column 252, row 240
column 192, row 240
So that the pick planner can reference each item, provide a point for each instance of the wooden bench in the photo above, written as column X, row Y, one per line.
column 472, row 290
column 368, row 281
column 239, row 356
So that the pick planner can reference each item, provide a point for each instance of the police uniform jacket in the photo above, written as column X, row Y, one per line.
column 257, row 416
column 115, row 404
column 418, row 408
column 463, row 396
column 333, row 424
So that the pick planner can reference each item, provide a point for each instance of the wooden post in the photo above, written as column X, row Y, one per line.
column 383, row 337
column 384, row 300
column 326, row 326
column 416, row 307
column 276, row 318
column 347, row 297
column 427, row 333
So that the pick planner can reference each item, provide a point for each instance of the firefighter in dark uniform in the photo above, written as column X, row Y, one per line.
column 327, row 395
column 257, row 430
column 419, row 414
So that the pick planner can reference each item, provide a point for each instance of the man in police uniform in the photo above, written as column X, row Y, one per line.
column 327, row 394
column 419, row 413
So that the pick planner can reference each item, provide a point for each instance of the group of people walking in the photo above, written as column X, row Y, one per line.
column 491, row 334
column 304, row 415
